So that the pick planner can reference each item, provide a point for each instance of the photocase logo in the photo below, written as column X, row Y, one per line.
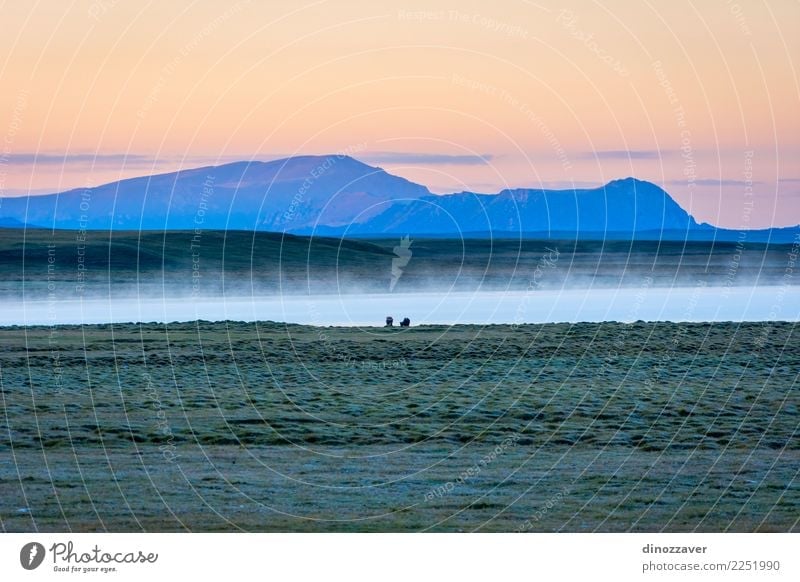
column 31, row 555
column 402, row 257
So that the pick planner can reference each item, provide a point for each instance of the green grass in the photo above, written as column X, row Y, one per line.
column 237, row 262
column 267, row 427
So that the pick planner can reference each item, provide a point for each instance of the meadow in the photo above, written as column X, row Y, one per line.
column 86, row 264
column 270, row 427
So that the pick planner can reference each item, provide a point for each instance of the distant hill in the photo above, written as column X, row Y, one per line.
column 9, row 222
column 181, row 263
column 279, row 196
column 340, row 196
column 45, row 264
column 623, row 206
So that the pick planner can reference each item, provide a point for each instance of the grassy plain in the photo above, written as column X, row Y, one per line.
column 271, row 427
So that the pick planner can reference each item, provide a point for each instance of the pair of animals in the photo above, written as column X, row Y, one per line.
column 405, row 323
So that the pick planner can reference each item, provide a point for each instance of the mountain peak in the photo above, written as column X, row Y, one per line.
column 630, row 181
column 340, row 194
column 288, row 194
column 311, row 159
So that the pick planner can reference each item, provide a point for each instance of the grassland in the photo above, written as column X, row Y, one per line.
column 37, row 262
column 269, row 427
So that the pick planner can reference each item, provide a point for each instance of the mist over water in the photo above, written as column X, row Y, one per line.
column 677, row 304
column 157, row 277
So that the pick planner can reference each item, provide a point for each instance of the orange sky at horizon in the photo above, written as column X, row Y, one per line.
column 701, row 98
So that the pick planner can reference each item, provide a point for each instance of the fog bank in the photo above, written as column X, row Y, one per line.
column 646, row 302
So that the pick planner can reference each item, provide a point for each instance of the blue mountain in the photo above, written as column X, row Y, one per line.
column 282, row 195
column 622, row 206
column 341, row 196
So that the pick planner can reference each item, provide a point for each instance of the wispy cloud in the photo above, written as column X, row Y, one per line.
column 713, row 182
column 143, row 160
column 122, row 159
column 80, row 158
column 568, row 184
column 425, row 158
column 624, row 154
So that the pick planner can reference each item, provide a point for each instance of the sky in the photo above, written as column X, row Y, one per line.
column 700, row 97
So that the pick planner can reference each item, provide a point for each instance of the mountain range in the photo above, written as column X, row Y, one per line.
column 337, row 195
